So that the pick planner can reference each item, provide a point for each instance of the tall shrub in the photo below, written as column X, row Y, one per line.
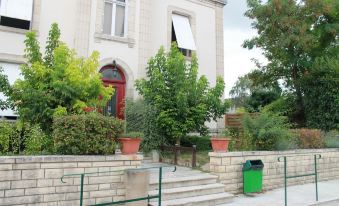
column 141, row 117
column 183, row 102
column 23, row 138
column 264, row 131
column 321, row 93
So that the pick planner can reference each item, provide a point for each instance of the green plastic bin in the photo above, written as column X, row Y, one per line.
column 252, row 176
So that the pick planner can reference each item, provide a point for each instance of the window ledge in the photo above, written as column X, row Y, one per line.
column 124, row 40
column 13, row 30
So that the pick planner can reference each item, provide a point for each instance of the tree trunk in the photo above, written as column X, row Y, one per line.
column 300, row 107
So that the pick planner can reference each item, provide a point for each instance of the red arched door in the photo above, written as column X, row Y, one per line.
column 112, row 75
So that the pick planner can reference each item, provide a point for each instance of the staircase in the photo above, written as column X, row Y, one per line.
column 187, row 187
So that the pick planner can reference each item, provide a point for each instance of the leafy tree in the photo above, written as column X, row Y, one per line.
column 253, row 97
column 241, row 90
column 293, row 34
column 183, row 101
column 57, row 84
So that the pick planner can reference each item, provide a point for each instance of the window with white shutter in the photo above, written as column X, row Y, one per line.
column 16, row 13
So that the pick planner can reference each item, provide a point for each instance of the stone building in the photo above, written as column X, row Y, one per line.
column 125, row 32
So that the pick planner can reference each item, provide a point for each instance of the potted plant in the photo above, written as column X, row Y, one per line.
column 221, row 141
column 130, row 142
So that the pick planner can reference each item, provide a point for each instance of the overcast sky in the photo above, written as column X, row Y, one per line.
column 237, row 28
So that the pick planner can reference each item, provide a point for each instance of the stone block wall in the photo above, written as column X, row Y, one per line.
column 228, row 167
column 35, row 180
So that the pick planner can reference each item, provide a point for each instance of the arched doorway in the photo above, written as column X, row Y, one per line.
column 113, row 76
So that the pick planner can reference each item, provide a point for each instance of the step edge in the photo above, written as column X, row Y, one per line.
column 189, row 188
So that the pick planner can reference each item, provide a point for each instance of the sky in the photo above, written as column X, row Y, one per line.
column 237, row 28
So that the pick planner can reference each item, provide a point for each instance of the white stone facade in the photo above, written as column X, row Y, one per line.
column 148, row 26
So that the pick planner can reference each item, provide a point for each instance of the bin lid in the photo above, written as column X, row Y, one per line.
column 253, row 165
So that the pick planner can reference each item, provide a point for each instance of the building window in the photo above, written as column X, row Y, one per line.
column 182, row 34
column 115, row 18
column 16, row 13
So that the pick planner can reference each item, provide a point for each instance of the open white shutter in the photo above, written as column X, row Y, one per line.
column 18, row 9
column 183, row 32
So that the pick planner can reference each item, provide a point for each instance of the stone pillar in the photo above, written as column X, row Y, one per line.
column 136, row 184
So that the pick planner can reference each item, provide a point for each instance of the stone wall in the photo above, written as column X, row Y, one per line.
column 228, row 166
column 35, row 180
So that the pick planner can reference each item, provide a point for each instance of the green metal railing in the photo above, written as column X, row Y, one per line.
column 148, row 198
column 315, row 174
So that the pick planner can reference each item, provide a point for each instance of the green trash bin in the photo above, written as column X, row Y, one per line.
column 252, row 176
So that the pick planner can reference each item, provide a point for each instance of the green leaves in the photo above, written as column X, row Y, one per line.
column 83, row 134
column 183, row 101
column 52, row 43
column 32, row 50
column 58, row 80
column 294, row 35
column 265, row 131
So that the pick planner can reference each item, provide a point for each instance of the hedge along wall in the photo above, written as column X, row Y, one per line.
column 35, row 180
column 228, row 166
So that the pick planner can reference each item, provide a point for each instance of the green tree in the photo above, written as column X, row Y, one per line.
column 293, row 34
column 183, row 101
column 241, row 90
column 57, row 84
column 251, row 96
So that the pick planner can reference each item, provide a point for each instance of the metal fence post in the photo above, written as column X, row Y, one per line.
column 285, row 177
column 176, row 149
column 194, row 156
column 160, row 183
column 81, row 188
column 317, row 156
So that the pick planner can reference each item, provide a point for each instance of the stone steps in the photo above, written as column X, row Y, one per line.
column 205, row 200
column 185, row 181
column 191, row 191
column 187, row 187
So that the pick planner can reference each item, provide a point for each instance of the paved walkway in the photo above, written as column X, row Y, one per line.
column 299, row 195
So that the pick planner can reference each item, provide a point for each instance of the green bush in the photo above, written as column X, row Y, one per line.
column 264, row 131
column 203, row 143
column 90, row 133
column 6, row 131
column 22, row 138
column 310, row 138
column 141, row 117
column 332, row 139
column 35, row 140
column 135, row 115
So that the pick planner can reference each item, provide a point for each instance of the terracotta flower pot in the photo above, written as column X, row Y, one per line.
column 220, row 144
column 88, row 109
column 129, row 145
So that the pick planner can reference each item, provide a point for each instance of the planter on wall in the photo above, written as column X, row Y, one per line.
column 220, row 144
column 129, row 145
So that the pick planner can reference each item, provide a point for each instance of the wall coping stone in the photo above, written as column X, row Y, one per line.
column 264, row 153
column 69, row 158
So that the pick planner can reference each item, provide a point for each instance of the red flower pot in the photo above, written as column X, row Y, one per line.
column 220, row 144
column 129, row 145
column 88, row 109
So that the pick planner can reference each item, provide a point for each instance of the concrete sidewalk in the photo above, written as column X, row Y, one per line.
column 299, row 195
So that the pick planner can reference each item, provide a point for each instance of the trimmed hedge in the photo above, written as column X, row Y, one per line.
column 83, row 134
column 203, row 143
